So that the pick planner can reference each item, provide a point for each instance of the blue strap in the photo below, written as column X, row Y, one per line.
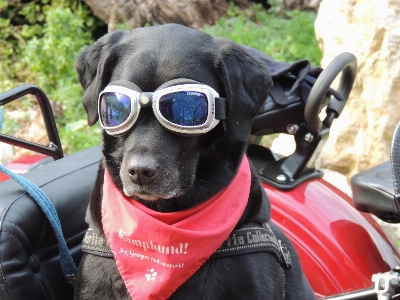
column 67, row 264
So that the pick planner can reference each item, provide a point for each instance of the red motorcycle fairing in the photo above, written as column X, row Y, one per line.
column 339, row 247
column 24, row 164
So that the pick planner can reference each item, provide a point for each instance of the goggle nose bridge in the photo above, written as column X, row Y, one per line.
column 146, row 99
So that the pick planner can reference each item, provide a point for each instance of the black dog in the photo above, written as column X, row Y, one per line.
column 169, row 171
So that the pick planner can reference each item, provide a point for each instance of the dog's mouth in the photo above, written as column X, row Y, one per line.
column 146, row 195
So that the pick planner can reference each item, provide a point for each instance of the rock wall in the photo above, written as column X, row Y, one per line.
column 192, row 13
column 370, row 29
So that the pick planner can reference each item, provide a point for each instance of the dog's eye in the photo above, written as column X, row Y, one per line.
column 184, row 108
column 115, row 109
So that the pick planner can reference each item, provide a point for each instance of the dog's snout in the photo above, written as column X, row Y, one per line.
column 142, row 175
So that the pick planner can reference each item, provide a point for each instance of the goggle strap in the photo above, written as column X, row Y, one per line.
column 220, row 108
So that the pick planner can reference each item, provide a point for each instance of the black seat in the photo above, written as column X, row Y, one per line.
column 29, row 261
column 373, row 192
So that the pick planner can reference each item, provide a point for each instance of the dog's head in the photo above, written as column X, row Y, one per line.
column 165, row 170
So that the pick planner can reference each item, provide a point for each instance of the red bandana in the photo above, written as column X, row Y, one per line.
column 157, row 252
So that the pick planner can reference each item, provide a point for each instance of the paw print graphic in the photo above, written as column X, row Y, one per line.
column 151, row 276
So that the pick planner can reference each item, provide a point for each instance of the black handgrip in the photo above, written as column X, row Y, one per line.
column 345, row 63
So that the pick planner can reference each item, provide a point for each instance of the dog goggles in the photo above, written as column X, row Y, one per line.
column 184, row 108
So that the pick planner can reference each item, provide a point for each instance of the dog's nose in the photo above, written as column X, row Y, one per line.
column 141, row 175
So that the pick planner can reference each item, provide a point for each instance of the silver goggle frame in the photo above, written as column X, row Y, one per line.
column 139, row 99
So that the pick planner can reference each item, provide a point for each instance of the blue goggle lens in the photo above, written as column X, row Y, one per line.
column 115, row 109
column 184, row 108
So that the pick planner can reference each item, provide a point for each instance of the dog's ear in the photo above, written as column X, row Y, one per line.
column 93, row 66
column 246, row 84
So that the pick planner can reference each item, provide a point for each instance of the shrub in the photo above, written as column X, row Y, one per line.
column 48, row 37
column 283, row 34
column 51, row 62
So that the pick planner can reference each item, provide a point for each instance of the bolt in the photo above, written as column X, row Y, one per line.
column 309, row 137
column 144, row 100
column 281, row 177
column 292, row 128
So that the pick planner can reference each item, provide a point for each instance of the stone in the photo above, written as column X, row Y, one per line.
column 302, row 4
column 32, row 129
column 370, row 29
column 6, row 153
column 283, row 144
column 192, row 13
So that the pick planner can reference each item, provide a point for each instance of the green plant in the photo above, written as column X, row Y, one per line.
column 51, row 62
column 283, row 34
column 47, row 37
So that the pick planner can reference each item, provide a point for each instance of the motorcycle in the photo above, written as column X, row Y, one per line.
column 343, row 251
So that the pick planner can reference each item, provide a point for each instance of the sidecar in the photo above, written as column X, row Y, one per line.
column 340, row 247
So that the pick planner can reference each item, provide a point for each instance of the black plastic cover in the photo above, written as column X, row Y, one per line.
column 273, row 115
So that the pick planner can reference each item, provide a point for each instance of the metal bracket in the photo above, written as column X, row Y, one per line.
column 54, row 148
column 386, row 283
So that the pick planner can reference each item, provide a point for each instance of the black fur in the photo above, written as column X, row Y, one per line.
column 189, row 170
